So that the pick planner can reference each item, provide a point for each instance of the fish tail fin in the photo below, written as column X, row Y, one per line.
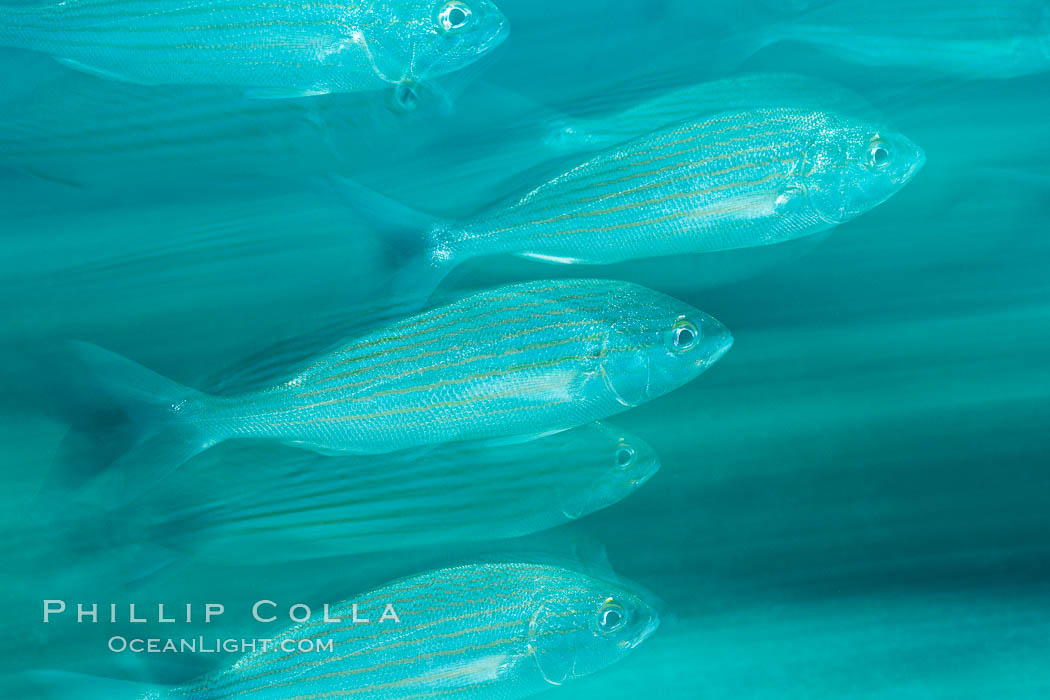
column 130, row 426
column 421, row 244
column 59, row 685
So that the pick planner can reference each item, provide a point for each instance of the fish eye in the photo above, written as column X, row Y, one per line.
column 454, row 15
column 684, row 336
column 879, row 154
column 611, row 617
column 625, row 455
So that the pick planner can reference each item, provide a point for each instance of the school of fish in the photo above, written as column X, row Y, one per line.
column 474, row 417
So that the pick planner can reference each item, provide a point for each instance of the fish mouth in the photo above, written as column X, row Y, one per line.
column 720, row 350
column 496, row 39
column 717, row 341
column 913, row 159
column 649, row 472
column 920, row 162
column 649, row 630
column 500, row 33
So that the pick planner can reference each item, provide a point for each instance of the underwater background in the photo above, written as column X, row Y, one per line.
column 853, row 503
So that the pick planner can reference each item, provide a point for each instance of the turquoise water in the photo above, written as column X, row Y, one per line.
column 852, row 503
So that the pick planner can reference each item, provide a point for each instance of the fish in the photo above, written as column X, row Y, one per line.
column 271, row 50
column 984, row 39
column 729, row 181
column 127, row 134
column 502, row 629
column 675, row 105
column 505, row 365
column 122, row 128
column 290, row 504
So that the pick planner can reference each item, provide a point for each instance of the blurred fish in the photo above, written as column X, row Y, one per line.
column 734, row 94
column 153, row 258
column 211, row 130
column 977, row 39
column 273, row 50
column 129, row 136
column 736, row 180
column 506, row 630
column 288, row 504
column 523, row 360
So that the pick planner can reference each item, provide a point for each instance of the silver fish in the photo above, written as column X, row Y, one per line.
column 271, row 49
column 735, row 180
column 502, row 630
column 516, row 362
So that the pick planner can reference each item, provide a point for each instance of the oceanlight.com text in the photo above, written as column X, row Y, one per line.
column 215, row 645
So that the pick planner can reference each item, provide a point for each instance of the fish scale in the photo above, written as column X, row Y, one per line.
column 480, row 630
column 734, row 180
column 211, row 35
column 693, row 101
column 670, row 181
column 273, row 49
column 469, row 380
column 510, row 364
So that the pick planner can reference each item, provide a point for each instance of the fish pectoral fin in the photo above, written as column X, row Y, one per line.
column 277, row 93
column 468, row 673
column 751, row 206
